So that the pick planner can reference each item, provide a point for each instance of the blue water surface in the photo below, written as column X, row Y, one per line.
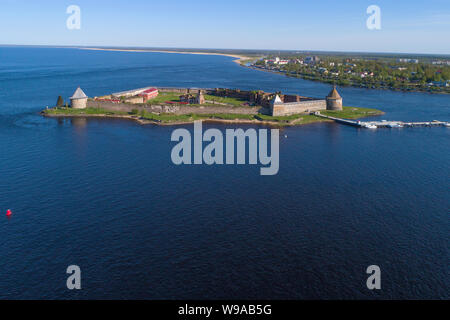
column 104, row 194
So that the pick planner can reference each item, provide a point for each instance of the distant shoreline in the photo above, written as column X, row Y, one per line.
column 352, row 85
column 239, row 58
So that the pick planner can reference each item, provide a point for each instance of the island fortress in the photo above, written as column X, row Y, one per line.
column 207, row 101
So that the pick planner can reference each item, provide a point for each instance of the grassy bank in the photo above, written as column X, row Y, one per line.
column 165, row 96
column 235, row 102
column 352, row 113
column 174, row 97
column 87, row 111
column 166, row 118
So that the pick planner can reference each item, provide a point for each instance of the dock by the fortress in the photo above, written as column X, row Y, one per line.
column 384, row 123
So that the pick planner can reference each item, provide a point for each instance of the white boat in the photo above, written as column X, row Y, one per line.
column 371, row 126
column 447, row 124
column 394, row 125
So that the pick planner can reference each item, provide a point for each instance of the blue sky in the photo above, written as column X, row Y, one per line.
column 414, row 26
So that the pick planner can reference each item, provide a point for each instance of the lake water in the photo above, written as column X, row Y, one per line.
column 104, row 195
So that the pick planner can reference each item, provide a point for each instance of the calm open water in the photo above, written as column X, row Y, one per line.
column 104, row 195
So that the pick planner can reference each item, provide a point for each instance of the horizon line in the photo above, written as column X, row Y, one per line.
column 225, row 49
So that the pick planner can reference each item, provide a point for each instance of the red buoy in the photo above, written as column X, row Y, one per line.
column 8, row 213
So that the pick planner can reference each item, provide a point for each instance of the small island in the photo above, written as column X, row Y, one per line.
column 172, row 106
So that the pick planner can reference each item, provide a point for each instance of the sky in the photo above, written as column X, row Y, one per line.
column 413, row 26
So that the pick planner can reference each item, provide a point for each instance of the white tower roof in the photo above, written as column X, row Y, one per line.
column 79, row 94
column 277, row 100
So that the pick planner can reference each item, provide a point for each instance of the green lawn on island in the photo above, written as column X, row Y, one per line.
column 167, row 118
column 347, row 113
column 174, row 97
column 294, row 119
column 352, row 113
column 165, row 96
column 279, row 121
column 88, row 111
column 231, row 101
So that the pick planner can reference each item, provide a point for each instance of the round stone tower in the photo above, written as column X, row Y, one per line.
column 334, row 100
column 79, row 99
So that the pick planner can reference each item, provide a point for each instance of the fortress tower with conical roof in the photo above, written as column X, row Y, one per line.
column 334, row 100
column 79, row 99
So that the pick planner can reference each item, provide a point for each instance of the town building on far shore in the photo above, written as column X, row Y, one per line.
column 312, row 60
column 405, row 60
column 79, row 99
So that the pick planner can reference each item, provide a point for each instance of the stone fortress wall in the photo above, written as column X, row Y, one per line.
column 290, row 108
column 275, row 104
column 78, row 103
column 174, row 109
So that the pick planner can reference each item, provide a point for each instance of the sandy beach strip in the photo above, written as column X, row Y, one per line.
column 239, row 58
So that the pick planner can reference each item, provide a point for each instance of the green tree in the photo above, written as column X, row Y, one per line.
column 60, row 102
